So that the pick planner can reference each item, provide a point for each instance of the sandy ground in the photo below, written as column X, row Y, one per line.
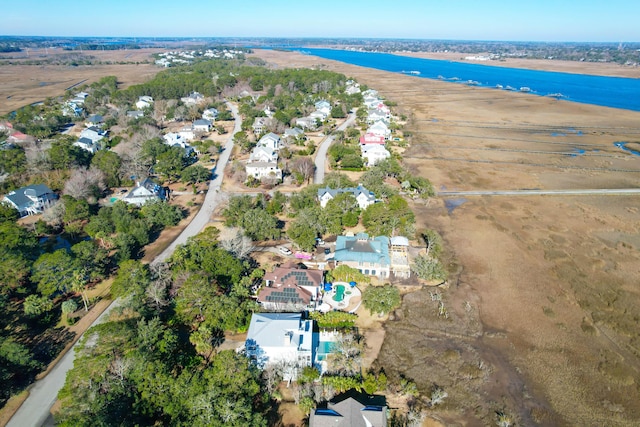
column 543, row 307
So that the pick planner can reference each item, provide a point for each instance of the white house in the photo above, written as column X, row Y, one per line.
column 270, row 140
column 318, row 115
column 176, row 140
column 202, row 125
column 323, row 106
column 293, row 133
column 79, row 97
column 380, row 129
column 259, row 124
column 143, row 102
column 352, row 87
column 306, row 122
column 194, row 98
column 93, row 133
column 30, row 200
column 187, row 133
column 364, row 197
column 376, row 115
column 261, row 170
column 280, row 339
column 370, row 92
column 146, row 191
column 210, row 114
column 373, row 153
column 263, row 154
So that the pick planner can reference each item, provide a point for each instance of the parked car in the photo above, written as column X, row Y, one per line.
column 284, row 251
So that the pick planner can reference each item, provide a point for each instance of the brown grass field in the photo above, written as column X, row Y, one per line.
column 543, row 300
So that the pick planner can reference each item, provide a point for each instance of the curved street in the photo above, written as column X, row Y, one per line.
column 35, row 410
column 321, row 156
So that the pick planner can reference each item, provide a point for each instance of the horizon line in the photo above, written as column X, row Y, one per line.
column 336, row 38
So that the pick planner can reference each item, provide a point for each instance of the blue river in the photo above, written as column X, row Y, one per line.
column 616, row 92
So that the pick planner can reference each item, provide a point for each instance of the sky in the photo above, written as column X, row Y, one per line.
column 523, row 20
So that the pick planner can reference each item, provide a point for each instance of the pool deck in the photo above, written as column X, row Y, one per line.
column 352, row 297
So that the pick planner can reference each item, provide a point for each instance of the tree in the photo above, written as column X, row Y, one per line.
column 7, row 213
column 68, row 307
column 64, row 155
column 170, row 163
column 85, row 184
column 109, row 163
column 93, row 259
column 338, row 180
column 381, row 299
column 344, row 273
column 304, row 166
column 159, row 214
column 428, row 268
column 242, row 140
column 132, row 279
column 195, row 174
column 54, row 272
column 79, row 285
column 238, row 244
column 433, row 241
column 258, row 224
column 346, row 358
column 337, row 112
column 35, row 305
column 389, row 219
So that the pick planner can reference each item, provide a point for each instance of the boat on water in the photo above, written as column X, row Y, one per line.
column 413, row 73
column 556, row 95
column 472, row 83
column 510, row 88
column 499, row 86
column 525, row 89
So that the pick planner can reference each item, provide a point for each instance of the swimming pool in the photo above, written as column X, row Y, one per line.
column 339, row 295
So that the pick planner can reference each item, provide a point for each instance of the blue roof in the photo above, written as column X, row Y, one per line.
column 360, row 248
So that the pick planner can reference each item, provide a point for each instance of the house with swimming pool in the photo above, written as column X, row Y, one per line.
column 289, row 342
column 368, row 255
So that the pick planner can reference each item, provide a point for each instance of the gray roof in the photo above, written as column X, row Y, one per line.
column 96, row 118
column 202, row 122
column 355, row 191
column 349, row 413
column 20, row 197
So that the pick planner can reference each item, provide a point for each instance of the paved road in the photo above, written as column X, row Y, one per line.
column 212, row 199
column 35, row 411
column 321, row 154
column 593, row 192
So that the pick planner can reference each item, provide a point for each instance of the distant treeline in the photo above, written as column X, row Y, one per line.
column 94, row 46
column 4, row 48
